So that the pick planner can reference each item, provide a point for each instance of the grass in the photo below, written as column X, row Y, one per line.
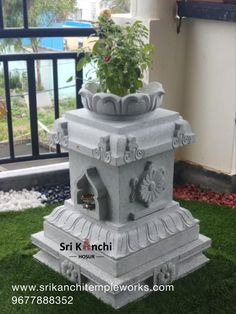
column 21, row 117
column 211, row 289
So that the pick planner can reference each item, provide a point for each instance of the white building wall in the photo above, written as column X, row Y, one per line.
column 210, row 93
column 198, row 71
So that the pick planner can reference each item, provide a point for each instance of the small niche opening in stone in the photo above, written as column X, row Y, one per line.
column 85, row 195
column 91, row 194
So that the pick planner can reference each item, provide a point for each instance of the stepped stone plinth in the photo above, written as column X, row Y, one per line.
column 121, row 225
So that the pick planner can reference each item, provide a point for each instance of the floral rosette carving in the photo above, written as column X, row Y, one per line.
column 151, row 184
column 68, row 270
column 165, row 275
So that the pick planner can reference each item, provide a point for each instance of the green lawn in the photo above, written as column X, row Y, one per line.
column 21, row 118
column 211, row 289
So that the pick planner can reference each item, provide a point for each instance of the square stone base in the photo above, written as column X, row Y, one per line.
column 176, row 263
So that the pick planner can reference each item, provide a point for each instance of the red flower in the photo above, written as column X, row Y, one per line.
column 192, row 192
column 106, row 59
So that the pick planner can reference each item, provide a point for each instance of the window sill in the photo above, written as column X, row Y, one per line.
column 207, row 10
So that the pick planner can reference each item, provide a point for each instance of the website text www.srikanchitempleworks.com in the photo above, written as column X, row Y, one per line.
column 19, row 298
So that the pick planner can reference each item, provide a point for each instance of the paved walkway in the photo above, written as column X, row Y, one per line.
column 25, row 149
column 20, row 149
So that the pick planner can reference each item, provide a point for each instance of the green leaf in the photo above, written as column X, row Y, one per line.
column 99, row 46
column 81, row 63
column 129, row 56
column 70, row 79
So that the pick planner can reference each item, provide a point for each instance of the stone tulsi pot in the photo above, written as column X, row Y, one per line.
column 146, row 99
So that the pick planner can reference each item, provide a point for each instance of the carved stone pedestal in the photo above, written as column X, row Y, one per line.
column 121, row 208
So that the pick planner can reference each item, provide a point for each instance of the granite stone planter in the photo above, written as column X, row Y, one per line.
column 145, row 100
column 121, row 152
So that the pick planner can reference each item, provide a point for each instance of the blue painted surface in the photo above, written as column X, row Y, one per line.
column 66, row 68
column 48, row 43
column 57, row 43
column 77, row 24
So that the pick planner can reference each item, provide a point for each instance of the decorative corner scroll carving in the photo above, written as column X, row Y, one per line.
column 132, row 152
column 103, row 152
column 60, row 134
column 68, row 270
column 164, row 275
column 148, row 188
column 183, row 134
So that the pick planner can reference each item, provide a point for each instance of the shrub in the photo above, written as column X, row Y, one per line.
column 120, row 55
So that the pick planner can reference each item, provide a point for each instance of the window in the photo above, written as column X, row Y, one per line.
column 116, row 6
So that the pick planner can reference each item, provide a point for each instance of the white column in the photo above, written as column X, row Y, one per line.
column 152, row 8
column 144, row 9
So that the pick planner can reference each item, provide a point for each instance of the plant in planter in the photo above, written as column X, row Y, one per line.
column 121, row 57
column 121, row 178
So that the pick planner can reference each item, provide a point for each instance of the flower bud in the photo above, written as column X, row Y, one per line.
column 105, row 13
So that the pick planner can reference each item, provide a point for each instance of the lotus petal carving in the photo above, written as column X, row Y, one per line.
column 146, row 99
